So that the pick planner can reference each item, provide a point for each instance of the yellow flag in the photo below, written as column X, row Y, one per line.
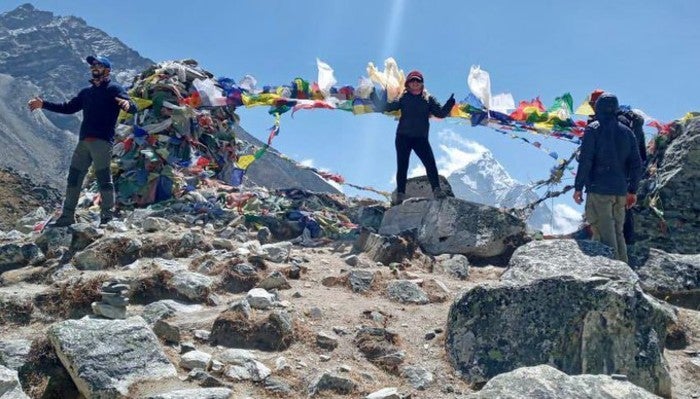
column 141, row 103
column 245, row 161
column 584, row 109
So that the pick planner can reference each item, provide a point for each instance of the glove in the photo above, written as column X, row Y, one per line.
column 631, row 200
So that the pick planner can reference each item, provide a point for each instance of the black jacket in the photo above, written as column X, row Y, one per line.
column 609, row 161
column 634, row 122
column 100, row 109
column 415, row 113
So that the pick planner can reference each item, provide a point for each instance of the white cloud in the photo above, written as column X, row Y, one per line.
column 418, row 170
column 308, row 162
column 456, row 152
column 453, row 153
column 566, row 220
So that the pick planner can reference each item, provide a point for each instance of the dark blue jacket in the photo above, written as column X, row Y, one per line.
column 100, row 109
column 609, row 162
column 415, row 113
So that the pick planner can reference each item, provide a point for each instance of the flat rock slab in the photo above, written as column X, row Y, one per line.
column 197, row 393
column 106, row 357
column 454, row 226
column 548, row 382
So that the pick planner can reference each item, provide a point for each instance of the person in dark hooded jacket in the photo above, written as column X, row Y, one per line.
column 609, row 168
column 100, row 104
column 635, row 122
column 416, row 106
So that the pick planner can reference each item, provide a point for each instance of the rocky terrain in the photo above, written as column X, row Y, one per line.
column 428, row 299
column 282, row 287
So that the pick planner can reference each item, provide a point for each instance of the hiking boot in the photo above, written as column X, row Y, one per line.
column 399, row 199
column 63, row 221
column 439, row 194
column 106, row 217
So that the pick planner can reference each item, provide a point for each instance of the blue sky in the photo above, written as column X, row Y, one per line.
column 643, row 51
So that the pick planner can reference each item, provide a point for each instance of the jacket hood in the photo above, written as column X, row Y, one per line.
column 606, row 106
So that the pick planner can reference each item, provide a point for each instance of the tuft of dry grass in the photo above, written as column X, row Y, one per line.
column 153, row 287
column 13, row 312
column 72, row 299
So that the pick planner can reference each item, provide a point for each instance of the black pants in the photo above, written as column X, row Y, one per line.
column 628, row 227
column 421, row 146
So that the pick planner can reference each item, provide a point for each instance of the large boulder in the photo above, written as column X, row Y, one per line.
column 419, row 187
column 674, row 278
column 454, row 226
column 547, row 382
column 385, row 249
column 10, row 387
column 13, row 256
column 556, row 305
column 106, row 357
column 670, row 195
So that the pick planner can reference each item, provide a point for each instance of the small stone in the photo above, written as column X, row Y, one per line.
column 217, row 367
column 114, row 299
column 324, row 358
column 429, row 336
column 315, row 313
column 326, row 341
column 340, row 331
column 195, row 360
column 114, row 287
column 109, row 311
column 202, row 334
column 186, row 347
column 352, row 260
column 296, row 295
column 281, row 364
column 385, row 393
column 345, row 368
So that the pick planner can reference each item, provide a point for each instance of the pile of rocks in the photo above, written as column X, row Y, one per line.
column 114, row 300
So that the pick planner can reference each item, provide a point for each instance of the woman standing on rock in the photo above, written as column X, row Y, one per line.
column 416, row 106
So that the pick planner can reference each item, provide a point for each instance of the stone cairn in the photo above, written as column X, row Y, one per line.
column 114, row 300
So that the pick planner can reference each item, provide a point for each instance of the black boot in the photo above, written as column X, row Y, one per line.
column 398, row 200
column 65, row 220
column 106, row 217
column 439, row 194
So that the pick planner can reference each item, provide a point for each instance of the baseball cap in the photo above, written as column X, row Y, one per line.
column 414, row 75
column 99, row 59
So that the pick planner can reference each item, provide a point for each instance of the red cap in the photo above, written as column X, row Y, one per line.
column 414, row 75
column 595, row 94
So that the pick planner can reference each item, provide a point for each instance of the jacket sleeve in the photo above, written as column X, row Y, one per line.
column 70, row 107
column 379, row 100
column 634, row 166
column 585, row 159
column 440, row 111
column 121, row 93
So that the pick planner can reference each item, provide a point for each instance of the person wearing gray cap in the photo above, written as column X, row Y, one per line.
column 100, row 103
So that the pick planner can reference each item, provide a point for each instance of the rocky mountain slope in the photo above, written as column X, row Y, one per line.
column 41, row 53
column 224, row 306
column 486, row 181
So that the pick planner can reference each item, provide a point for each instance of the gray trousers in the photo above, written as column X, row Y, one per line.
column 606, row 214
column 99, row 154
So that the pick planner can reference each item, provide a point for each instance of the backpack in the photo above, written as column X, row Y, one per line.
column 630, row 119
